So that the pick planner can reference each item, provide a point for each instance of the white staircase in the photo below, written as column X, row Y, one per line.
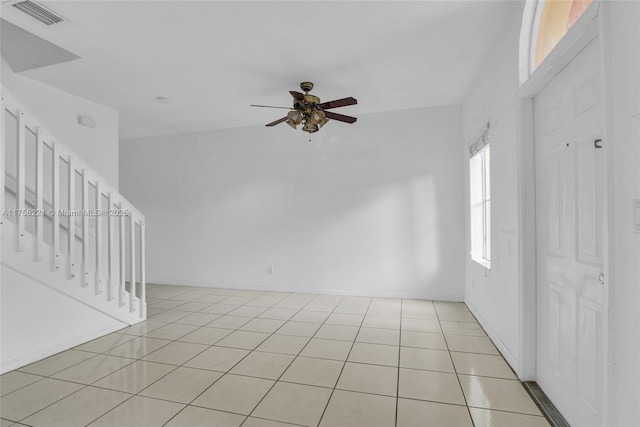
column 64, row 226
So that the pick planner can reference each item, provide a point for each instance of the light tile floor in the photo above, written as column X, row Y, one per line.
column 223, row 357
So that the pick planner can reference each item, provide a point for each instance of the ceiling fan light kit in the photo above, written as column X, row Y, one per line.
column 294, row 118
column 317, row 117
column 310, row 112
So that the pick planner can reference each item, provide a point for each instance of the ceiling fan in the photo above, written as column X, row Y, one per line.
column 310, row 112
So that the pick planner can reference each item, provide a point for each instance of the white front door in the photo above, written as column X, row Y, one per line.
column 570, row 199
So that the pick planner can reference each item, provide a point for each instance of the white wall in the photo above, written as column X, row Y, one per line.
column 623, row 129
column 37, row 321
column 369, row 208
column 59, row 112
column 494, row 296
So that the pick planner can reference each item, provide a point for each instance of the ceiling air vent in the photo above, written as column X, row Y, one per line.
column 39, row 12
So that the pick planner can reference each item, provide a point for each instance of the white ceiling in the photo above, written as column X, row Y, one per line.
column 212, row 58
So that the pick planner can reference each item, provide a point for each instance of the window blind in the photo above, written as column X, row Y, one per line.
column 479, row 143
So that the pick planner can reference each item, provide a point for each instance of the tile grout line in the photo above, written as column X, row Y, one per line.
column 239, row 361
column 223, row 374
column 84, row 386
column 24, row 386
column 176, row 367
column 345, row 361
column 131, row 395
column 473, row 423
column 399, row 355
column 205, row 325
column 355, row 340
column 296, row 356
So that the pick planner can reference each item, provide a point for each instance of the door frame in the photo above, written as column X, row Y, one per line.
column 590, row 25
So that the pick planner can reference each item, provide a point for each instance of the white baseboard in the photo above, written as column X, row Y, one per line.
column 42, row 353
column 320, row 291
column 511, row 360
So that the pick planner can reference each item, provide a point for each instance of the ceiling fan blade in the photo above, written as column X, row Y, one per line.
column 298, row 96
column 270, row 106
column 339, row 117
column 338, row 103
column 276, row 122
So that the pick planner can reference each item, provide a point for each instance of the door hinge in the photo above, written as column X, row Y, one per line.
column 597, row 143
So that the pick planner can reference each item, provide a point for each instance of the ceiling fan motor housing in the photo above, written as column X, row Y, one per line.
column 310, row 101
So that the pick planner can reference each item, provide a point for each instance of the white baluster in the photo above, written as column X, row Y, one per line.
column 20, row 183
column 143, row 302
column 132, row 286
column 39, row 194
column 55, row 204
column 98, row 222
column 110, row 248
column 72, row 219
column 123, row 265
column 85, row 228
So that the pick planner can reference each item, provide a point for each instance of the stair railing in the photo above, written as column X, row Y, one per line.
column 56, row 198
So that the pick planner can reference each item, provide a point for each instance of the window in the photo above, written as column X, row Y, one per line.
column 545, row 23
column 556, row 18
column 480, row 191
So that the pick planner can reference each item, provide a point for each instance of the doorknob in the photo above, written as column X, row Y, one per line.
column 601, row 278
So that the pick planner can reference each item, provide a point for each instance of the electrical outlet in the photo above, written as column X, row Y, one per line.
column 270, row 271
